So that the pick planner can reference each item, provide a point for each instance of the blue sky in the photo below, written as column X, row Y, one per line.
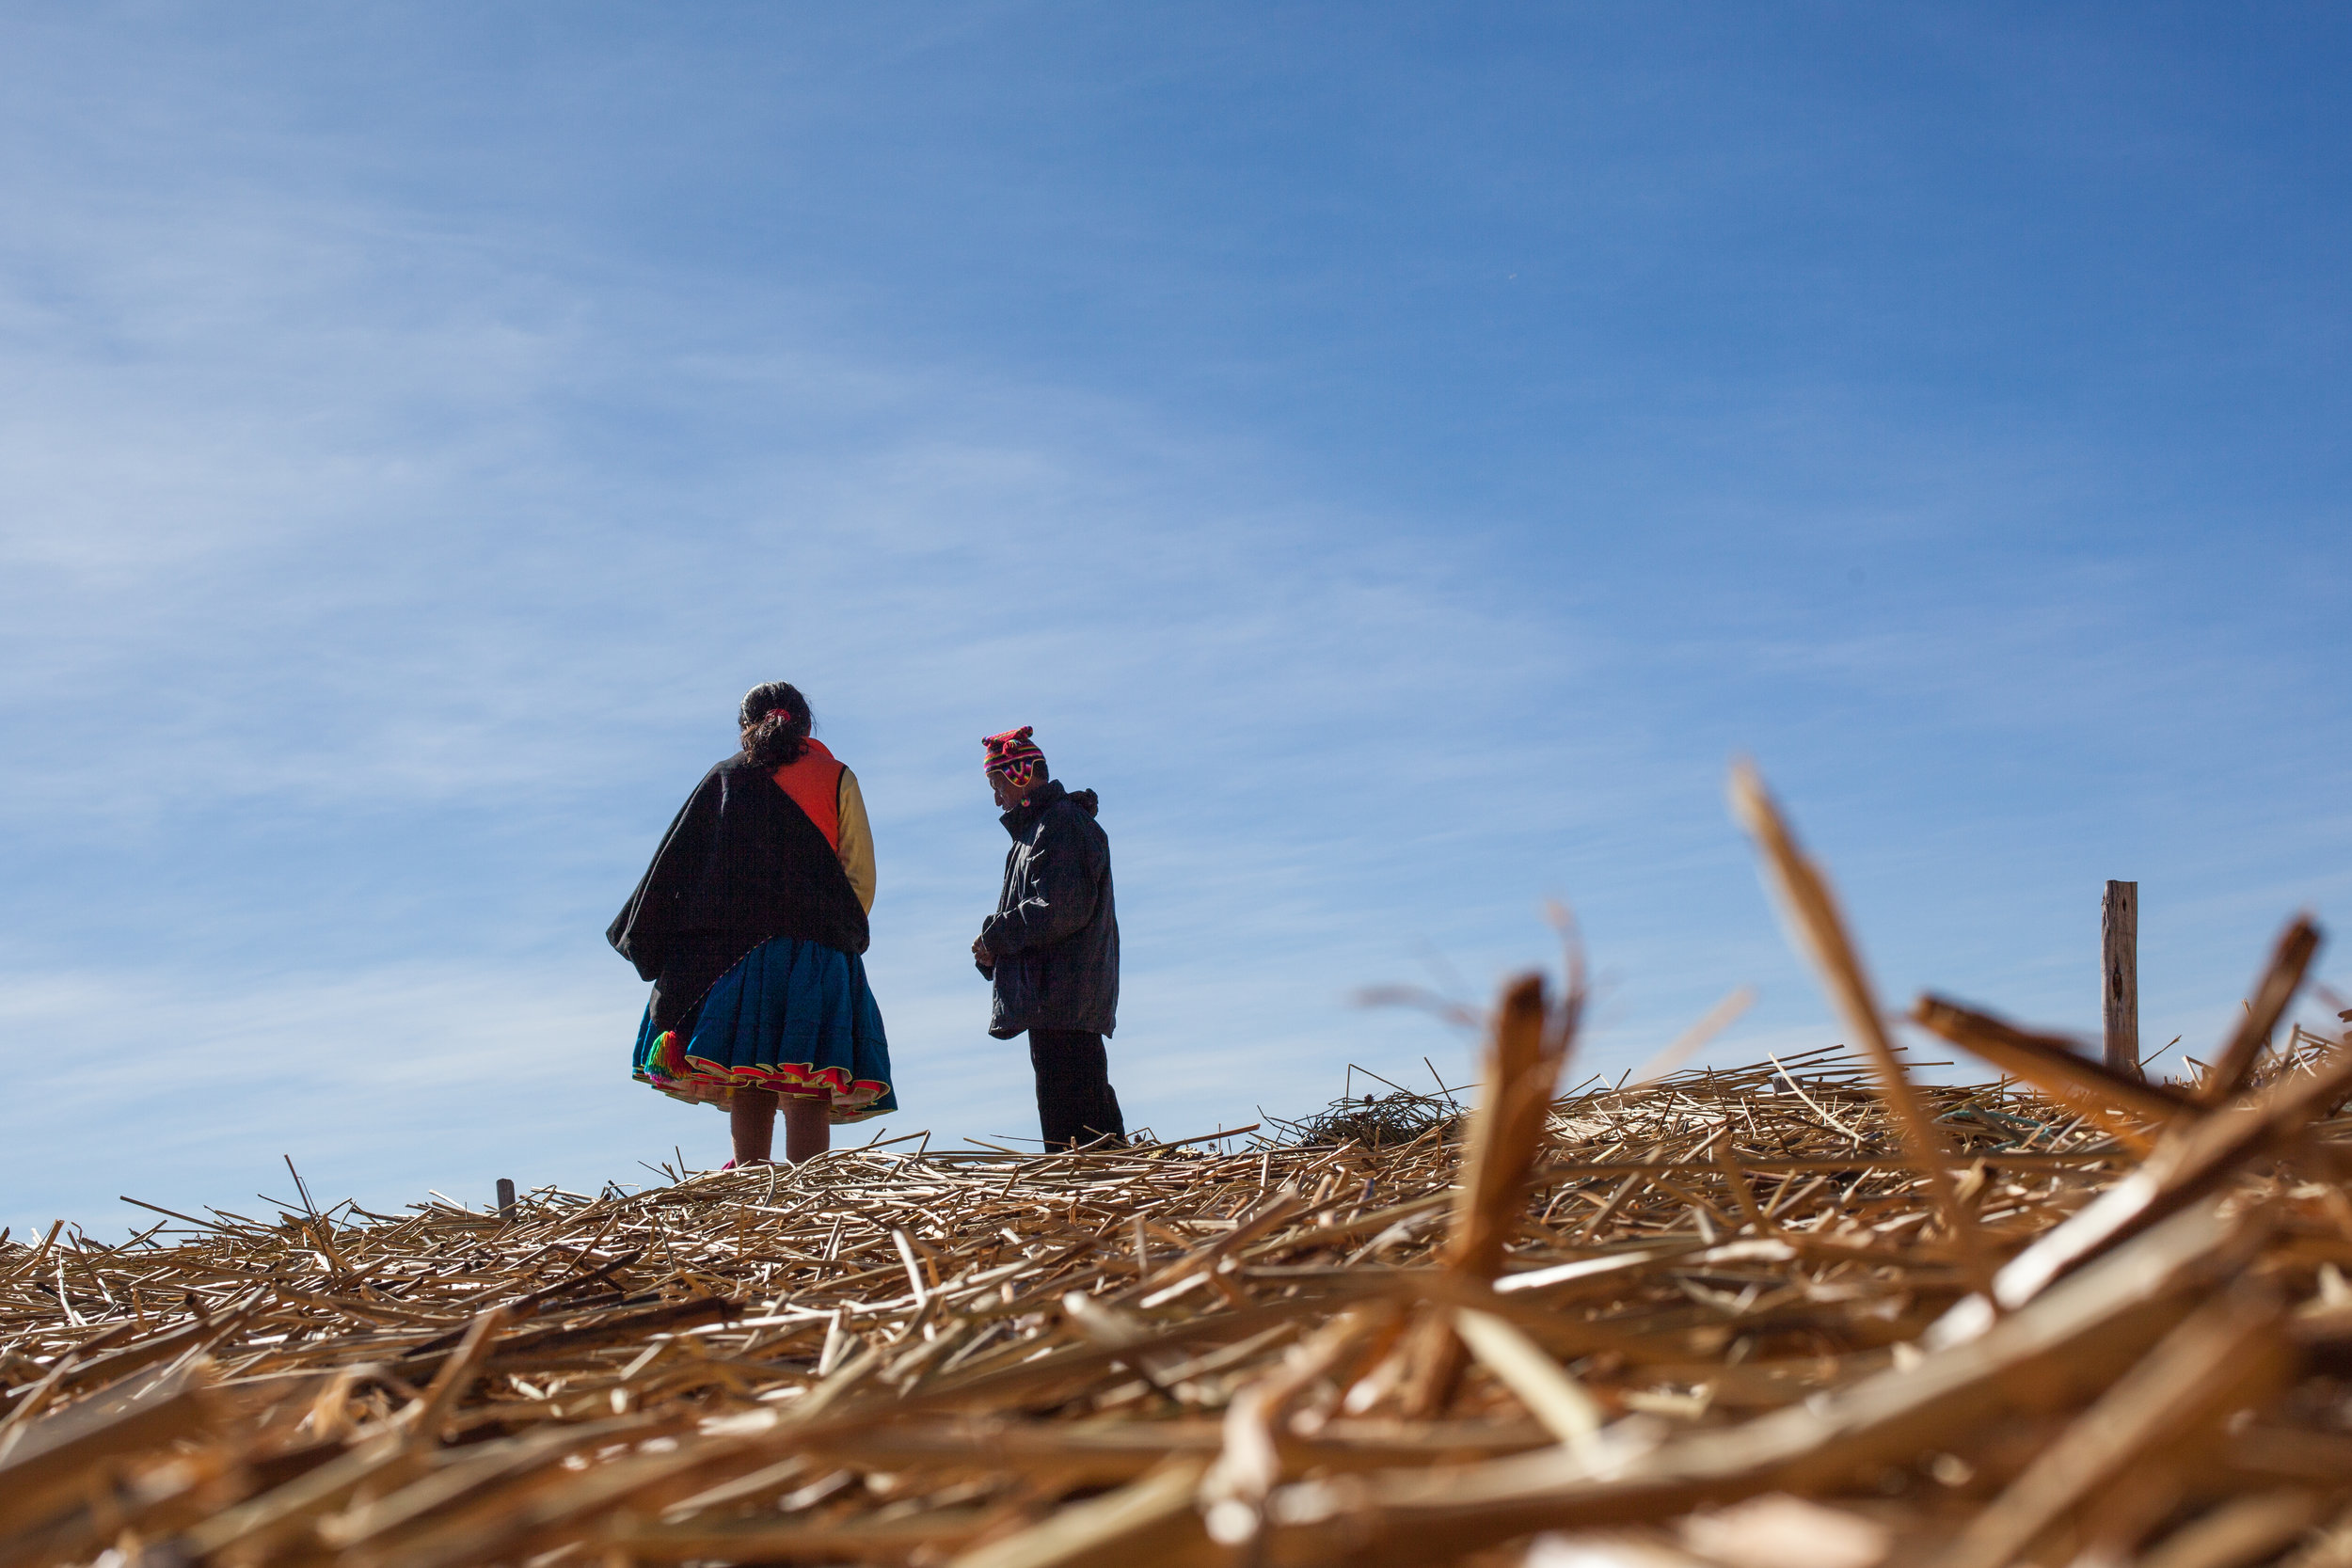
column 1397, row 454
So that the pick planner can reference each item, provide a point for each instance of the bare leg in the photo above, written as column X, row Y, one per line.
column 807, row 1127
column 751, row 1117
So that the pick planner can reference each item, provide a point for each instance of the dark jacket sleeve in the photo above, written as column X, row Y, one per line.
column 1062, row 882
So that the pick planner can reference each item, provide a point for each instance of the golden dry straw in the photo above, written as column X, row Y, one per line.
column 1818, row 1312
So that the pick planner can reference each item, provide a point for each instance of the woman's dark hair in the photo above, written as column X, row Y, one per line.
column 775, row 720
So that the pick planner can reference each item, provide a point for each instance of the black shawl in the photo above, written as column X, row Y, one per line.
column 740, row 865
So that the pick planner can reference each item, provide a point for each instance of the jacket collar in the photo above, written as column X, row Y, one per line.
column 1018, row 820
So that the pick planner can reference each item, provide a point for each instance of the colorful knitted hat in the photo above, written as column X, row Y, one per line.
column 1012, row 751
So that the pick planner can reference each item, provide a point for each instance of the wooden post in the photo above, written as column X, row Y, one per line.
column 506, row 1197
column 2119, row 969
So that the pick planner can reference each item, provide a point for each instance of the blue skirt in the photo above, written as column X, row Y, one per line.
column 791, row 1016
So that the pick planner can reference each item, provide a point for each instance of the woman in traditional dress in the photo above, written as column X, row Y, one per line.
column 750, row 923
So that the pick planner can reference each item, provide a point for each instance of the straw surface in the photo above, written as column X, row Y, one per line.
column 1813, row 1312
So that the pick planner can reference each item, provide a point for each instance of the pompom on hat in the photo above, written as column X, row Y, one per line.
column 1012, row 751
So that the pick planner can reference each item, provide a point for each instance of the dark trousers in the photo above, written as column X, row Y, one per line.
column 1075, row 1102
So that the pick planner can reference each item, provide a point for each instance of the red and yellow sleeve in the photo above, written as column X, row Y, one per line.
column 856, row 847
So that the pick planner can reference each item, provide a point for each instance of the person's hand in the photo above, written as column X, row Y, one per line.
column 981, row 955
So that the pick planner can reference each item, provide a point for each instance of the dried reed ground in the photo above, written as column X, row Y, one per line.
column 1809, row 1313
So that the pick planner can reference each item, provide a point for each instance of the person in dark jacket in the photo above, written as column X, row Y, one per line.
column 750, row 924
column 1050, row 950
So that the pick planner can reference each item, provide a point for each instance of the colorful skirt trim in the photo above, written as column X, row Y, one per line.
column 791, row 1016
